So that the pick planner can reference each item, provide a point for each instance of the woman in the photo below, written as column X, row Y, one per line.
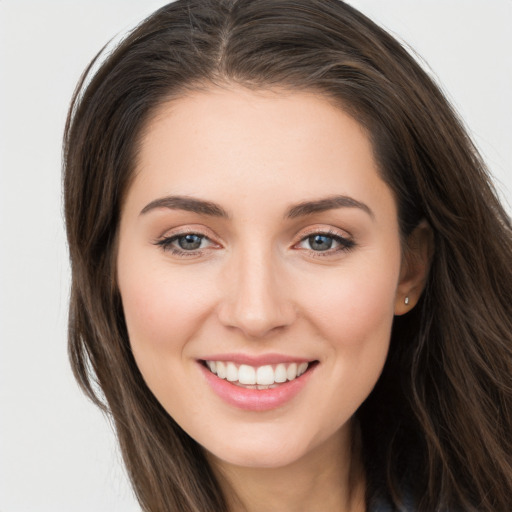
column 291, row 274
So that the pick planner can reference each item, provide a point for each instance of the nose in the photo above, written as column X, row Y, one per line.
column 255, row 296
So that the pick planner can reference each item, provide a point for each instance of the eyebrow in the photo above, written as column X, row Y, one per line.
column 212, row 209
column 188, row 204
column 328, row 203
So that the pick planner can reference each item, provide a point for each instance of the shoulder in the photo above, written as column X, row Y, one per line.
column 383, row 505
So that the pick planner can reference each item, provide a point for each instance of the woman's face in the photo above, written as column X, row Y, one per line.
column 258, row 239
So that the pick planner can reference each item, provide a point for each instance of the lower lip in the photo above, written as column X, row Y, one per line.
column 256, row 399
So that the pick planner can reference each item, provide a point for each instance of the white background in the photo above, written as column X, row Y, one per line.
column 57, row 452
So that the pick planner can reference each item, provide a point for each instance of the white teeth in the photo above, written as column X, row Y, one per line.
column 291, row 372
column 262, row 377
column 265, row 375
column 301, row 369
column 246, row 374
column 281, row 375
column 221, row 370
column 231, row 372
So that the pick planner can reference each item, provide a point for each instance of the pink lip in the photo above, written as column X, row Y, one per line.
column 255, row 399
column 260, row 360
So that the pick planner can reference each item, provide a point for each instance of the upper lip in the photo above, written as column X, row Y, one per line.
column 256, row 360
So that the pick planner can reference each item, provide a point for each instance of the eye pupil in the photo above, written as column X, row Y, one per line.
column 320, row 242
column 190, row 242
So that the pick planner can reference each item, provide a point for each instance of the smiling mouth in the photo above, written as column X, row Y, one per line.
column 268, row 376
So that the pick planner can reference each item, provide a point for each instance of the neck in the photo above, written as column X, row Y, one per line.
column 329, row 477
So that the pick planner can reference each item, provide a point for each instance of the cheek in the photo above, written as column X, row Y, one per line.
column 354, row 307
column 163, row 312
column 353, row 321
column 353, row 314
column 162, row 308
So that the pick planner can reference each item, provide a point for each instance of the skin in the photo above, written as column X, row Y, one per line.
column 257, row 286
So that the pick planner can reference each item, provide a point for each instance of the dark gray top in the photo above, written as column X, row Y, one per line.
column 382, row 505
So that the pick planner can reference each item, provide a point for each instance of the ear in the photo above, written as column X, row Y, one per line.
column 416, row 260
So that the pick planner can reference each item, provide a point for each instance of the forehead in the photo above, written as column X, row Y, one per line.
column 234, row 116
column 275, row 144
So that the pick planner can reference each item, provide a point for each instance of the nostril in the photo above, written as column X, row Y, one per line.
column 256, row 320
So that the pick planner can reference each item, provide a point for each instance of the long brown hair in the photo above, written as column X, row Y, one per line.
column 437, row 427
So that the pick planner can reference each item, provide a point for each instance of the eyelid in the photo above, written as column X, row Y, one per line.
column 168, row 237
column 342, row 237
column 322, row 229
column 184, row 229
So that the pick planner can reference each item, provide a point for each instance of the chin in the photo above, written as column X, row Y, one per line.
column 270, row 452
column 257, row 458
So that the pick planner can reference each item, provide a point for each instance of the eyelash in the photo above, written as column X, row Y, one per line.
column 345, row 244
column 166, row 244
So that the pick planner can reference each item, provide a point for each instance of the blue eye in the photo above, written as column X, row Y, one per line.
column 327, row 243
column 189, row 242
column 320, row 242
